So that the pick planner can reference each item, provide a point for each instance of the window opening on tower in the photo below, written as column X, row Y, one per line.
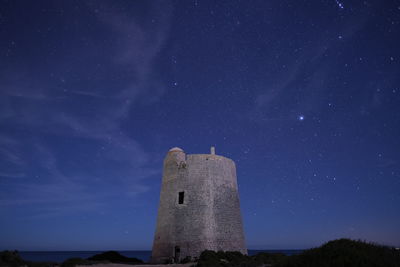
column 181, row 197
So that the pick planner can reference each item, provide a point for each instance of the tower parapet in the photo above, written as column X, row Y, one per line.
column 175, row 159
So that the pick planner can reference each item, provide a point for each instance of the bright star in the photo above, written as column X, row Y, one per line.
column 301, row 118
column 340, row 5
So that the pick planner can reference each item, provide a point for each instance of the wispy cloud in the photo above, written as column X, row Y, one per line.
column 12, row 175
column 37, row 110
column 138, row 46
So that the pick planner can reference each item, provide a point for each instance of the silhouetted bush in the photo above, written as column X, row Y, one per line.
column 186, row 259
column 337, row 253
column 343, row 253
column 72, row 262
column 114, row 257
column 41, row 264
column 236, row 259
column 11, row 258
column 225, row 259
column 209, row 258
column 268, row 258
column 168, row 261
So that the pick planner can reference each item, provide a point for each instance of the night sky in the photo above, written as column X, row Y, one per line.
column 303, row 95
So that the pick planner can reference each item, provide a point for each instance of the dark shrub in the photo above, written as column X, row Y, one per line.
column 42, row 264
column 337, row 253
column 225, row 259
column 114, row 257
column 186, row 260
column 268, row 258
column 209, row 258
column 343, row 253
column 75, row 261
column 235, row 258
column 168, row 261
column 11, row 258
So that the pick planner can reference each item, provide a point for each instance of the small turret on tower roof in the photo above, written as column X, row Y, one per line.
column 212, row 150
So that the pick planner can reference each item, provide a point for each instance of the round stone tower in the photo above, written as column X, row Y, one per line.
column 199, row 207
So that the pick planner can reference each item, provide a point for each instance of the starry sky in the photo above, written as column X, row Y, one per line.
column 303, row 95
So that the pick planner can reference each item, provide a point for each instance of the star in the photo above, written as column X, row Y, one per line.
column 339, row 4
column 301, row 118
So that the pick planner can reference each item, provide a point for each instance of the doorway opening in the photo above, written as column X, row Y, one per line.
column 177, row 254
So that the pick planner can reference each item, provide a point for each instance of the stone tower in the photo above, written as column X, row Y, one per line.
column 199, row 207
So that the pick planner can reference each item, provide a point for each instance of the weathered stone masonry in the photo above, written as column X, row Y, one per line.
column 199, row 207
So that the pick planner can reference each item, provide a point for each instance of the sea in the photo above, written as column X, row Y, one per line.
column 60, row 256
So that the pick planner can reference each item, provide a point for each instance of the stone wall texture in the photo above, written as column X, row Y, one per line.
column 209, row 217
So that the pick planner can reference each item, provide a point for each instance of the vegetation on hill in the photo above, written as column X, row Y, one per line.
column 236, row 259
column 72, row 262
column 13, row 259
column 337, row 253
column 114, row 257
column 105, row 257
column 345, row 252
column 10, row 258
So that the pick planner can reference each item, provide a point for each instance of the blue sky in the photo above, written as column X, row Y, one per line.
column 302, row 95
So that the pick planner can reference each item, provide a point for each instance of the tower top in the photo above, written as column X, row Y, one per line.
column 175, row 149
